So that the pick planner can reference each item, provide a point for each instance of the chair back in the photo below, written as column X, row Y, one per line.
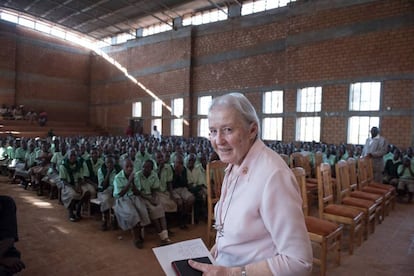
column 215, row 176
column 362, row 173
column 353, row 178
column 285, row 158
column 370, row 170
column 300, row 175
column 214, row 180
column 297, row 159
column 325, row 193
column 318, row 162
column 342, row 180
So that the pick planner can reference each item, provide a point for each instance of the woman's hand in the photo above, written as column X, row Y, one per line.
column 209, row 269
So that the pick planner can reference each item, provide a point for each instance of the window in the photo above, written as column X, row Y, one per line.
column 205, row 17
column 58, row 32
column 177, row 127
column 203, row 104
column 156, row 114
column 203, row 129
column 158, row 123
column 177, row 111
column 157, row 28
column 273, row 102
column 42, row 27
column 308, row 128
column 363, row 96
column 254, row 6
column 272, row 126
column 26, row 22
column 202, row 110
column 178, row 107
column 272, row 129
column 9, row 17
column 309, row 99
column 157, row 108
column 359, row 128
column 137, row 109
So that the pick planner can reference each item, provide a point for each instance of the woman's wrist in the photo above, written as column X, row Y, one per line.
column 243, row 271
column 238, row 271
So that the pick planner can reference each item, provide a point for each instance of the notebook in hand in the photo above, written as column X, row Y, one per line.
column 182, row 268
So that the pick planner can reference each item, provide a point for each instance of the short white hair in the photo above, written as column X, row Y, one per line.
column 241, row 104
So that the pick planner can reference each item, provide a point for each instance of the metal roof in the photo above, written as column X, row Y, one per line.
column 105, row 18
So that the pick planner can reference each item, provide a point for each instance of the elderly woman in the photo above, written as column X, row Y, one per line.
column 260, row 225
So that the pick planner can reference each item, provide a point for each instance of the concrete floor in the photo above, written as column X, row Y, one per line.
column 52, row 245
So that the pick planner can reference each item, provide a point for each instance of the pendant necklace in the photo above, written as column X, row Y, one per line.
column 220, row 226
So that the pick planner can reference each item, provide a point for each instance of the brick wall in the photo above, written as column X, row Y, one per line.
column 7, row 64
column 161, row 67
column 44, row 73
column 309, row 43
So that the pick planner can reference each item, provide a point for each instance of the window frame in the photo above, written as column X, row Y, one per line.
column 309, row 108
column 137, row 106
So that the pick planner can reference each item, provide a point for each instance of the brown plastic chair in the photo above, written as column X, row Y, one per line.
column 369, row 207
column 350, row 217
column 327, row 235
column 214, row 177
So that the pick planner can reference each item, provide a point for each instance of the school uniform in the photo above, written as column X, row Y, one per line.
column 71, row 174
column 129, row 209
column 165, row 175
column 146, row 185
column 105, row 195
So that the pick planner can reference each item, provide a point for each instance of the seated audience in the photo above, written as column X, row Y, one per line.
column 23, row 169
column 41, row 168
column 182, row 196
column 391, row 169
column 197, row 184
column 42, row 118
column 165, row 175
column 406, row 181
column 91, row 166
column 75, row 190
column 148, row 183
column 106, row 176
column 129, row 208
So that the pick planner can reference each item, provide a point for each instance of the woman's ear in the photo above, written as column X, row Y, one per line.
column 254, row 129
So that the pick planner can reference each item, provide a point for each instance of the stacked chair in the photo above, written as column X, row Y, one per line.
column 350, row 217
column 369, row 207
column 351, row 202
column 327, row 235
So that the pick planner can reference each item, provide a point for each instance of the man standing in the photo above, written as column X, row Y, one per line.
column 156, row 133
column 375, row 148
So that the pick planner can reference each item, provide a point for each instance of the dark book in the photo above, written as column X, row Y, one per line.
column 182, row 268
